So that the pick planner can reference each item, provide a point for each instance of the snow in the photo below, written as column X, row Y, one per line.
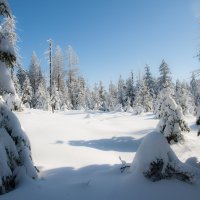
column 6, row 83
column 154, row 146
column 78, row 152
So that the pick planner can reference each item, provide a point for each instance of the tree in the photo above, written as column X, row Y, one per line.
column 58, row 77
column 15, row 150
column 143, row 99
column 58, row 73
column 184, row 98
column 171, row 123
column 81, row 92
column 121, row 95
column 26, row 92
column 130, row 90
column 112, row 97
column 149, row 81
column 36, row 78
column 88, row 98
column 72, row 75
column 195, row 89
column 164, row 80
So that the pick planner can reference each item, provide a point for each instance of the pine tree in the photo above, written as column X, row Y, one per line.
column 184, row 98
column 15, row 150
column 171, row 123
column 112, row 97
column 130, row 89
column 143, row 99
column 121, row 92
column 26, row 92
column 81, row 92
column 195, row 89
column 164, row 80
column 149, row 81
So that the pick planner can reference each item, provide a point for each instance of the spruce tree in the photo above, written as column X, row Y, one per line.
column 165, row 79
column 15, row 150
column 171, row 123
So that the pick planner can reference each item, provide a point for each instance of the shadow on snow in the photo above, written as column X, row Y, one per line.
column 120, row 144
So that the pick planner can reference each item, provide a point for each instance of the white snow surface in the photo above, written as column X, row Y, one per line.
column 78, row 152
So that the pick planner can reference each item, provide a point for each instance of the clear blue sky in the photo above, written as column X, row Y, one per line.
column 113, row 37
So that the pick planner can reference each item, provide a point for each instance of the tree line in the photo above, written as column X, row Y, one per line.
column 70, row 91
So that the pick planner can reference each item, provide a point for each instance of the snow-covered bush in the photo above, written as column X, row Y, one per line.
column 171, row 122
column 156, row 160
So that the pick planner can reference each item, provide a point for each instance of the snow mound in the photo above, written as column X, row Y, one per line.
column 154, row 146
column 156, row 160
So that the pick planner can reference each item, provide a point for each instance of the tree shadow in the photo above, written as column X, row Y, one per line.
column 119, row 144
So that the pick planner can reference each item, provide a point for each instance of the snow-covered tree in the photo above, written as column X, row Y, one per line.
column 171, row 123
column 72, row 75
column 88, row 99
column 165, row 79
column 25, row 87
column 95, row 98
column 143, row 99
column 112, row 99
column 59, row 78
column 121, row 92
column 149, row 81
column 58, row 65
column 42, row 97
column 195, row 89
column 81, row 90
column 55, row 98
column 9, row 57
column 35, row 73
column 130, row 89
column 37, row 80
column 184, row 98
column 15, row 150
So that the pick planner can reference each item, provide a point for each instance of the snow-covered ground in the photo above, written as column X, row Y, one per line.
column 77, row 154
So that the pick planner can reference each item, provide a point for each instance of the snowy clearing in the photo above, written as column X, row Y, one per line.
column 78, row 157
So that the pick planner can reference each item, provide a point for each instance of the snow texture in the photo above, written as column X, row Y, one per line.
column 78, row 157
column 6, row 83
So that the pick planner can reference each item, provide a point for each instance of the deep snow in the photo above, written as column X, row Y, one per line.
column 78, row 157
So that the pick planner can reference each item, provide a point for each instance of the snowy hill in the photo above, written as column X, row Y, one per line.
column 78, row 152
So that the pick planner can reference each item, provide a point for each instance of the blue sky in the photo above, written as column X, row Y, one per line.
column 113, row 37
